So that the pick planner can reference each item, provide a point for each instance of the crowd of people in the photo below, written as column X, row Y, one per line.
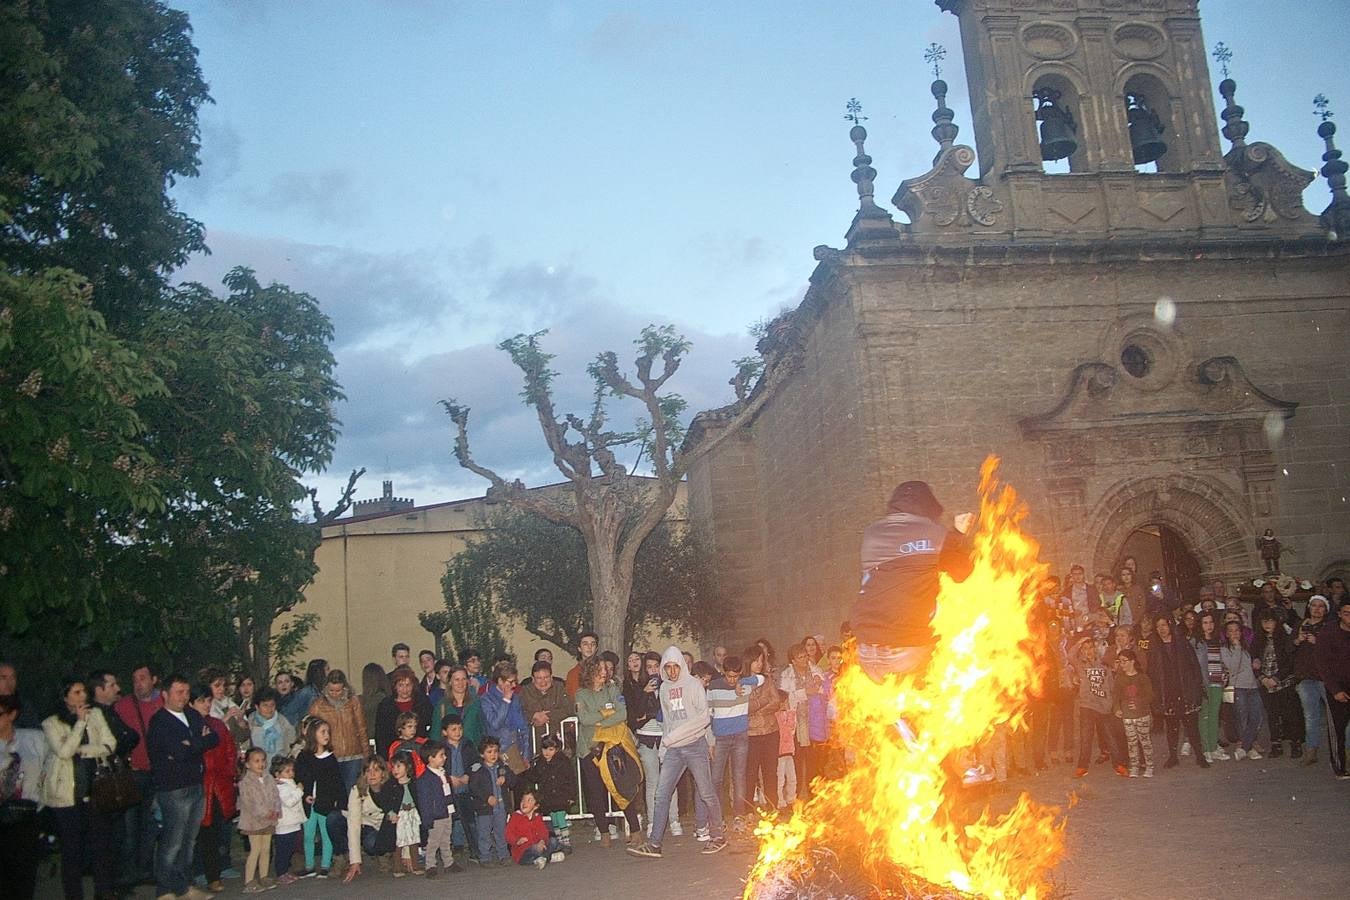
column 435, row 765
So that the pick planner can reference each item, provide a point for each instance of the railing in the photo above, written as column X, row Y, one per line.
column 566, row 730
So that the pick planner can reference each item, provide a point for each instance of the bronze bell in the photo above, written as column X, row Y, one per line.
column 1057, row 125
column 1145, row 130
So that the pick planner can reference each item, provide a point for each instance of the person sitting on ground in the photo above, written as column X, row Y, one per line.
column 527, row 835
column 551, row 776
column 372, row 807
column 902, row 556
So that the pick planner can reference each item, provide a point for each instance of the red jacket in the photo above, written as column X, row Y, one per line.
column 126, row 711
column 532, row 828
column 221, row 769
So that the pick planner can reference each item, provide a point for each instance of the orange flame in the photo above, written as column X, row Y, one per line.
column 901, row 806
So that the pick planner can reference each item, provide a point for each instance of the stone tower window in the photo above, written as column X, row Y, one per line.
column 1056, row 126
column 1149, row 122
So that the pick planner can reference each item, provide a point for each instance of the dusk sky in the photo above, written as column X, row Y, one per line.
column 442, row 175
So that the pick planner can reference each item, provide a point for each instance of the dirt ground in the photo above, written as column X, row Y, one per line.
column 1270, row 828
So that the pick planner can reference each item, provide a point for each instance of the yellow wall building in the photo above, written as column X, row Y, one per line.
column 378, row 570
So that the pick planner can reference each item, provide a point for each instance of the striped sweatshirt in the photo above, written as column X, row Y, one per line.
column 731, row 713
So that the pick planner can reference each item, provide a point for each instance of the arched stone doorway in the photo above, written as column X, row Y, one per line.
column 1160, row 548
column 1205, row 529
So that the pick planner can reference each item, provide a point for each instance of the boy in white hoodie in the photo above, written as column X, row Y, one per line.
column 685, row 721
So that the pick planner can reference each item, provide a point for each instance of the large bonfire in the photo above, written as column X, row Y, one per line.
column 899, row 820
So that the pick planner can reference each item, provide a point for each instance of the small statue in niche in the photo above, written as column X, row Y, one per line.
column 1269, row 548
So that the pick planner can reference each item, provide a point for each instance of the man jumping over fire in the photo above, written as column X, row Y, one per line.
column 902, row 556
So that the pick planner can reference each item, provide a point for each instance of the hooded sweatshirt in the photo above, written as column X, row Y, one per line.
column 684, row 704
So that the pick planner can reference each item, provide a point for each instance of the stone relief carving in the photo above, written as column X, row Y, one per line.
column 1139, row 40
column 1048, row 40
column 1263, row 186
column 945, row 196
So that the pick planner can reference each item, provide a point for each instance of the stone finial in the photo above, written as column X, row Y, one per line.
column 944, row 131
column 864, row 176
column 1235, row 127
column 1336, row 217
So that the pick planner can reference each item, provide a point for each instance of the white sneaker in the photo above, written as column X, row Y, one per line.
column 1209, row 757
column 1254, row 754
column 557, row 856
column 676, row 829
column 1148, row 773
column 1220, row 754
column 540, row 862
column 596, row 838
column 702, row 835
column 1185, row 748
column 1134, row 773
column 1239, row 753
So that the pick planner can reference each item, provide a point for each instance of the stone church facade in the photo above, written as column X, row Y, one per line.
column 1150, row 347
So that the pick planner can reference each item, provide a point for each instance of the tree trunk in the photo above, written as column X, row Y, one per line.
column 611, row 588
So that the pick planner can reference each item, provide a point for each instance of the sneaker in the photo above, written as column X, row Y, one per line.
column 431, row 872
column 676, row 829
column 1202, row 762
column 400, row 873
column 307, row 873
column 539, row 863
column 596, row 838
column 267, row 884
column 1254, row 754
column 453, row 868
column 1079, row 772
column 1310, row 759
column 701, row 835
column 1134, row 773
column 1220, row 755
column 229, row 872
column 1296, row 750
column 1342, row 776
column 977, row 775
column 1239, row 753
column 1209, row 756
column 1148, row 773
column 253, row 888
column 323, row 873
column 557, row 856
column 716, row 845
column 1185, row 748
column 287, row 878
column 652, row 851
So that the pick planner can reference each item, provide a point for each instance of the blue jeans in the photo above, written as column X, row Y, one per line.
column 350, row 769
column 1249, row 714
column 651, row 773
column 693, row 757
column 733, row 750
column 491, row 828
column 464, row 830
column 531, row 854
column 181, row 811
column 1313, row 695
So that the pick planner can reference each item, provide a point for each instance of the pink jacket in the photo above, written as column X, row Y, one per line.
column 787, row 732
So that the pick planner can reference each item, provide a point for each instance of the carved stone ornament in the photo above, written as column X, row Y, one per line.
column 1139, row 40
column 982, row 205
column 945, row 196
column 1263, row 185
column 1048, row 40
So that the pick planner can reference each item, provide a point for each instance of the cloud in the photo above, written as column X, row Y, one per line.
column 329, row 195
column 420, row 326
column 221, row 152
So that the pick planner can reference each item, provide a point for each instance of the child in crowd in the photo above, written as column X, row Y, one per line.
column 407, row 822
column 787, row 748
column 292, row 798
column 460, row 756
column 259, row 810
column 408, row 740
column 553, row 782
column 317, row 773
column 1094, row 706
column 1133, row 702
column 527, row 835
column 435, row 807
column 489, row 783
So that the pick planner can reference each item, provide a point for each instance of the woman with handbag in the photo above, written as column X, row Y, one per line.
column 218, row 789
column 80, row 741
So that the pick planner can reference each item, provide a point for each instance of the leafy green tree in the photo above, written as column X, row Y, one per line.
column 153, row 438
column 615, row 513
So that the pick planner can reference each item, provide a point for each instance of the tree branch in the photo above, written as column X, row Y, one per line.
column 511, row 491
column 344, row 502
